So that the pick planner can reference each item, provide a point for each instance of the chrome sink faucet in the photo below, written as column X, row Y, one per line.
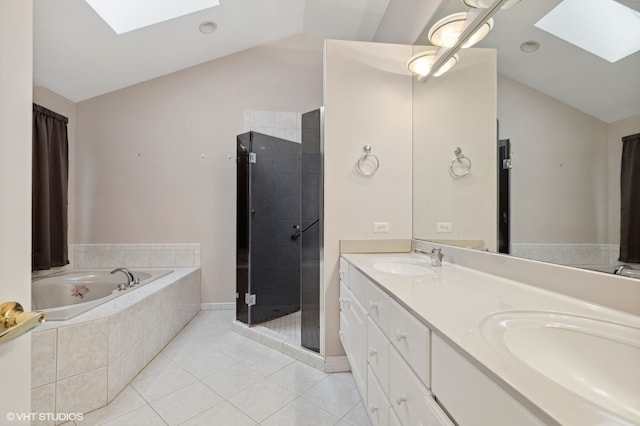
column 131, row 280
column 435, row 255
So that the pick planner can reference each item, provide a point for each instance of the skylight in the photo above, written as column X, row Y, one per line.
column 605, row 28
column 128, row 15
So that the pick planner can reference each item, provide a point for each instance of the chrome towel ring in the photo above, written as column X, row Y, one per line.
column 368, row 163
column 461, row 165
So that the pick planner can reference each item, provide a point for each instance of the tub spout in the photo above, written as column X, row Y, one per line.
column 131, row 280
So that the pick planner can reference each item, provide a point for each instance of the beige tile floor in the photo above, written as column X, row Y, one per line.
column 209, row 375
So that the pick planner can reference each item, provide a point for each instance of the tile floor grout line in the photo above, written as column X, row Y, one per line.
column 237, row 340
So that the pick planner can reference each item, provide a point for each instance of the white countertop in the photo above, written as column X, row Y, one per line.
column 455, row 302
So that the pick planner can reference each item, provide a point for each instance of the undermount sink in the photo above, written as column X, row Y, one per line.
column 403, row 268
column 596, row 359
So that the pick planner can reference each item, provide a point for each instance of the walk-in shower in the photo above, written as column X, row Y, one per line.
column 279, row 228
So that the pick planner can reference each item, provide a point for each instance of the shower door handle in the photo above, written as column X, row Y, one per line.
column 16, row 322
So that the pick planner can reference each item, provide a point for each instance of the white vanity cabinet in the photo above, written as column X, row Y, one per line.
column 394, row 359
column 353, row 325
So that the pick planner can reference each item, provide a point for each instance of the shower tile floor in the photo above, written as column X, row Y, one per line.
column 287, row 326
column 209, row 375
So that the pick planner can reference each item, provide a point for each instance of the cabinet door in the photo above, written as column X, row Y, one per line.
column 412, row 339
column 344, row 316
column 378, row 307
column 378, row 406
column 358, row 346
column 393, row 419
column 407, row 394
column 378, row 354
column 471, row 397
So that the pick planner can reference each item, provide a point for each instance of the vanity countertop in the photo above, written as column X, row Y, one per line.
column 460, row 305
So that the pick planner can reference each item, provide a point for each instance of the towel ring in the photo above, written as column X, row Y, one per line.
column 368, row 163
column 463, row 160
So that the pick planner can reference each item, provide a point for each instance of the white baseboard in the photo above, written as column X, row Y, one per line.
column 336, row 364
column 217, row 306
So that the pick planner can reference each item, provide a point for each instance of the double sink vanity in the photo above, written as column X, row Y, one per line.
column 448, row 344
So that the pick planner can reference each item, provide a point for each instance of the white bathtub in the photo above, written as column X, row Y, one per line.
column 63, row 296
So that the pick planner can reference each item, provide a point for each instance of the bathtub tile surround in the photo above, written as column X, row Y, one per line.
column 82, row 347
column 137, row 255
column 569, row 254
column 82, row 364
column 43, row 358
column 166, row 391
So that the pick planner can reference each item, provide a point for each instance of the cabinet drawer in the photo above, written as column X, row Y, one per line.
column 407, row 394
column 378, row 407
column 344, row 271
column 412, row 339
column 378, row 354
column 357, row 344
column 358, row 284
column 378, row 307
column 469, row 396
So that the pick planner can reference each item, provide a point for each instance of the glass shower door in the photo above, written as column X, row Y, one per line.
column 272, row 214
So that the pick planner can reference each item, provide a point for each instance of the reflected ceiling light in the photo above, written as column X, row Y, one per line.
column 128, row 15
column 530, row 46
column 445, row 32
column 421, row 63
column 484, row 4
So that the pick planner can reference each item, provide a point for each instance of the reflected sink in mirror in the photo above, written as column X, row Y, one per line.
column 404, row 268
column 596, row 359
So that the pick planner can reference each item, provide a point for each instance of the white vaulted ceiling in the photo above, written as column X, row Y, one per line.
column 78, row 56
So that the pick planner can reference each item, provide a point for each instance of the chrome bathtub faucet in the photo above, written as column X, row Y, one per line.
column 435, row 255
column 131, row 280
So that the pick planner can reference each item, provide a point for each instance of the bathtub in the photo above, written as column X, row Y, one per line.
column 65, row 295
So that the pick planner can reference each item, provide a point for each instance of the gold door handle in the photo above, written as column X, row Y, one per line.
column 16, row 322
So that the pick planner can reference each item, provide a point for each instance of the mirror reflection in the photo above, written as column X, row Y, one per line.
column 561, row 112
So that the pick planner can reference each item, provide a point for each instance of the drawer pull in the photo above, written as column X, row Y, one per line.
column 374, row 305
column 373, row 408
column 400, row 335
column 373, row 352
column 342, row 275
column 400, row 399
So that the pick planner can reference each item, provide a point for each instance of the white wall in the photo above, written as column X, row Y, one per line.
column 16, row 77
column 457, row 109
column 559, row 179
column 367, row 101
column 50, row 100
column 155, row 162
column 615, row 132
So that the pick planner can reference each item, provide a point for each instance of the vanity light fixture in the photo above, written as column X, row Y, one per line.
column 421, row 63
column 445, row 32
column 484, row 4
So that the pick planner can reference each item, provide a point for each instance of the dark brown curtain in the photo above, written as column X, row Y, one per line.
column 630, row 200
column 50, row 189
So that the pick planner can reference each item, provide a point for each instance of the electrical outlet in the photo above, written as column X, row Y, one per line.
column 444, row 227
column 380, row 226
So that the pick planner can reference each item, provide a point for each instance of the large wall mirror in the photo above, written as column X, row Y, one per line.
column 560, row 113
